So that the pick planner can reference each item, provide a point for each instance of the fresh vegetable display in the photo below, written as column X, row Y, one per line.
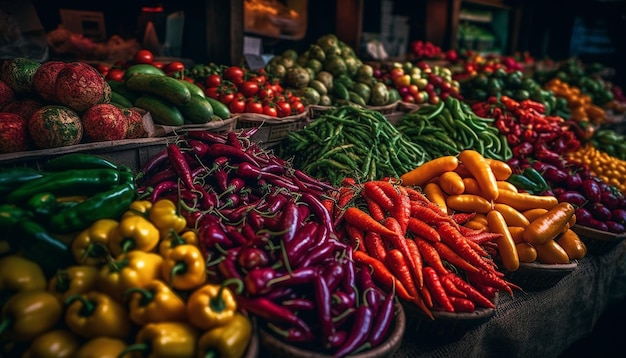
column 352, row 142
column 413, row 246
column 451, row 126
column 580, row 105
column 263, row 228
column 609, row 141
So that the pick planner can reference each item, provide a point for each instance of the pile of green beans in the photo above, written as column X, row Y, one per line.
column 450, row 127
column 354, row 142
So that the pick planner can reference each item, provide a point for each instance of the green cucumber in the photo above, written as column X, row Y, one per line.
column 165, row 87
column 162, row 111
column 193, row 88
column 117, row 98
column 355, row 98
column 142, row 68
column 340, row 91
column 197, row 111
column 120, row 88
column 219, row 109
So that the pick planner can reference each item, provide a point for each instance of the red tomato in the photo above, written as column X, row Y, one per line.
column 238, row 104
column 158, row 64
column 260, row 79
column 265, row 93
column 143, row 56
column 233, row 73
column 413, row 90
column 212, row 92
column 213, row 80
column 396, row 72
column 254, row 106
column 283, row 108
column 408, row 98
column 298, row 107
column 115, row 74
column 270, row 110
column 174, row 66
column 226, row 97
column 249, row 88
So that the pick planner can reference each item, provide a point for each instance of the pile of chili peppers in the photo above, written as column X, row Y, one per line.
column 527, row 127
column 262, row 222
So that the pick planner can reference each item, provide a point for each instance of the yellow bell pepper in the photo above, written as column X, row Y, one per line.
column 138, row 207
column 228, row 341
column 91, row 246
column 188, row 237
column 73, row 280
column 93, row 314
column 134, row 233
column 58, row 343
column 166, row 217
column 156, row 302
column 211, row 305
column 128, row 270
column 165, row 339
column 184, row 268
column 101, row 347
column 18, row 273
column 27, row 314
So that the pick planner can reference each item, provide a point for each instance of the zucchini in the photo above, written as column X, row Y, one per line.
column 162, row 111
column 142, row 68
column 219, row 109
column 169, row 88
column 193, row 88
column 120, row 88
column 117, row 98
column 198, row 110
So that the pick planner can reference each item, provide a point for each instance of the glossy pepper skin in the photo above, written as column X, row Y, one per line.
column 18, row 273
column 134, row 233
column 228, row 341
column 188, row 237
column 73, row 280
column 184, row 268
column 165, row 340
column 211, row 305
column 128, row 270
column 156, row 302
column 165, row 216
column 101, row 347
column 93, row 314
column 27, row 314
column 91, row 245
column 138, row 207
column 58, row 343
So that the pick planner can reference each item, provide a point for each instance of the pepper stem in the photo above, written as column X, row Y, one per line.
column 127, row 244
column 147, row 296
column 217, row 303
column 88, row 305
column 137, row 347
column 180, row 268
column 211, row 353
column 63, row 281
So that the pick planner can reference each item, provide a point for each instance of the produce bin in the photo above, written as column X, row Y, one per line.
column 271, row 130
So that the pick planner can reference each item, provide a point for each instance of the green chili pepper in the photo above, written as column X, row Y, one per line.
column 107, row 204
column 18, row 175
column 42, row 205
column 78, row 161
column 536, row 177
column 11, row 215
column 522, row 182
column 37, row 244
column 67, row 182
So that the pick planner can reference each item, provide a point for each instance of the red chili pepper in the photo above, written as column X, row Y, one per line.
column 470, row 291
column 302, row 242
column 207, row 136
column 180, row 165
column 323, row 301
column 431, row 280
column 257, row 280
column 363, row 320
column 219, row 149
column 382, row 275
column 272, row 312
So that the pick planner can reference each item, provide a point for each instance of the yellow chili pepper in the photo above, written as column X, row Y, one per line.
column 18, row 273
column 101, row 347
column 27, row 314
column 165, row 216
column 210, row 306
column 165, row 339
column 134, row 233
column 189, row 237
column 58, row 343
column 138, row 207
column 73, row 280
column 91, row 246
column 93, row 314
column 228, row 341
column 184, row 267
column 156, row 302
column 131, row 269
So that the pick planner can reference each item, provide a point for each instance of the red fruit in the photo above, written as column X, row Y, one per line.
column 24, row 108
column 54, row 126
column 13, row 133
column 104, row 122
column 79, row 86
column 136, row 128
column 44, row 79
column 6, row 94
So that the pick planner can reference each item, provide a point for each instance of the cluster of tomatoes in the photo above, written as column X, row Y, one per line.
column 143, row 56
column 247, row 91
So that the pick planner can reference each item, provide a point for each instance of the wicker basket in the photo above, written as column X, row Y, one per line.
column 597, row 241
column 218, row 126
column 271, row 346
column 271, row 130
column 446, row 326
column 534, row 276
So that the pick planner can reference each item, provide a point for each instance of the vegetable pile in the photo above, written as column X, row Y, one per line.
column 261, row 224
column 352, row 142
